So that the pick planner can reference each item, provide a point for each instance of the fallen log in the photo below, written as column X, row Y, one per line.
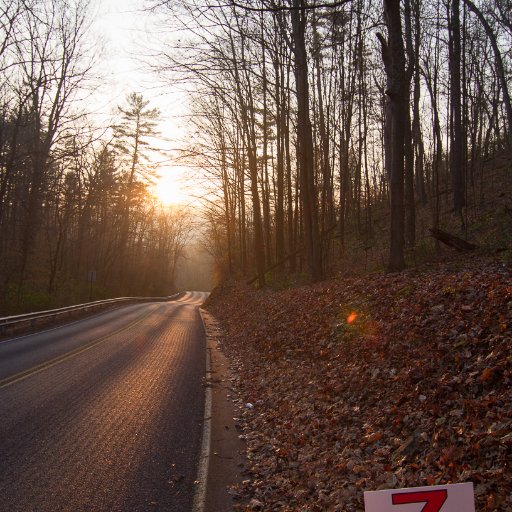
column 457, row 243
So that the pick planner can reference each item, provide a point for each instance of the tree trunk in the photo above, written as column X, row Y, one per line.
column 305, row 144
column 246, row 108
column 410, row 207
column 457, row 141
column 280, row 127
column 393, row 54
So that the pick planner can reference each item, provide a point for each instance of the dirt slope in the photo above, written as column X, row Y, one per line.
column 386, row 381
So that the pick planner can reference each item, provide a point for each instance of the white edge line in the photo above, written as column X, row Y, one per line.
column 204, row 458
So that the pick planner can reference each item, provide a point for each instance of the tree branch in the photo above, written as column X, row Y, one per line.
column 280, row 8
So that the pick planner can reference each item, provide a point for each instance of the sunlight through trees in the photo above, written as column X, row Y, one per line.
column 323, row 136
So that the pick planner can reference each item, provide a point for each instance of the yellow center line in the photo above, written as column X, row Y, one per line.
column 17, row 377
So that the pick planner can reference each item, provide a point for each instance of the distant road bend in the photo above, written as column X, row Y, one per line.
column 104, row 414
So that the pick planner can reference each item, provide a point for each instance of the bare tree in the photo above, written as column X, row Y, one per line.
column 305, row 150
column 393, row 54
column 500, row 69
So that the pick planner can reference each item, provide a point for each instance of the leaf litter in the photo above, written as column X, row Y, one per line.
column 376, row 382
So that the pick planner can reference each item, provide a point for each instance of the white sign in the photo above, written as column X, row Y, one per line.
column 436, row 498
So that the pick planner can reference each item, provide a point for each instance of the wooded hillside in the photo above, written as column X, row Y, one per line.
column 328, row 128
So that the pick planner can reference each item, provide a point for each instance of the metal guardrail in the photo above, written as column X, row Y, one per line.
column 11, row 321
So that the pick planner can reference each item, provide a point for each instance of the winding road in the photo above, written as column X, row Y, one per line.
column 105, row 413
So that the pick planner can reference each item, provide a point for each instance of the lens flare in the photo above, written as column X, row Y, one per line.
column 351, row 318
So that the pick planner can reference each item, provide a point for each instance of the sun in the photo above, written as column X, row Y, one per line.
column 169, row 190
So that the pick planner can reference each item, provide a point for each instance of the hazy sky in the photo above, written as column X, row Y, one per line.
column 129, row 35
column 119, row 25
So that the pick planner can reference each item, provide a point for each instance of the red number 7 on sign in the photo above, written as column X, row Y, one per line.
column 433, row 500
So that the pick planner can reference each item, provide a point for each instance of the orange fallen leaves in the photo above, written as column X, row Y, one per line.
column 486, row 374
column 374, row 437
column 415, row 400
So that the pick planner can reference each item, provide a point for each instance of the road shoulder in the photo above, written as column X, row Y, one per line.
column 226, row 450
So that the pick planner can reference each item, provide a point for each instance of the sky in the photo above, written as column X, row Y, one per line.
column 128, row 34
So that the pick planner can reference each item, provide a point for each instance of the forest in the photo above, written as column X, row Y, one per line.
column 75, row 197
column 337, row 133
column 329, row 136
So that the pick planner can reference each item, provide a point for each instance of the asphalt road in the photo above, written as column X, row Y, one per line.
column 104, row 414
